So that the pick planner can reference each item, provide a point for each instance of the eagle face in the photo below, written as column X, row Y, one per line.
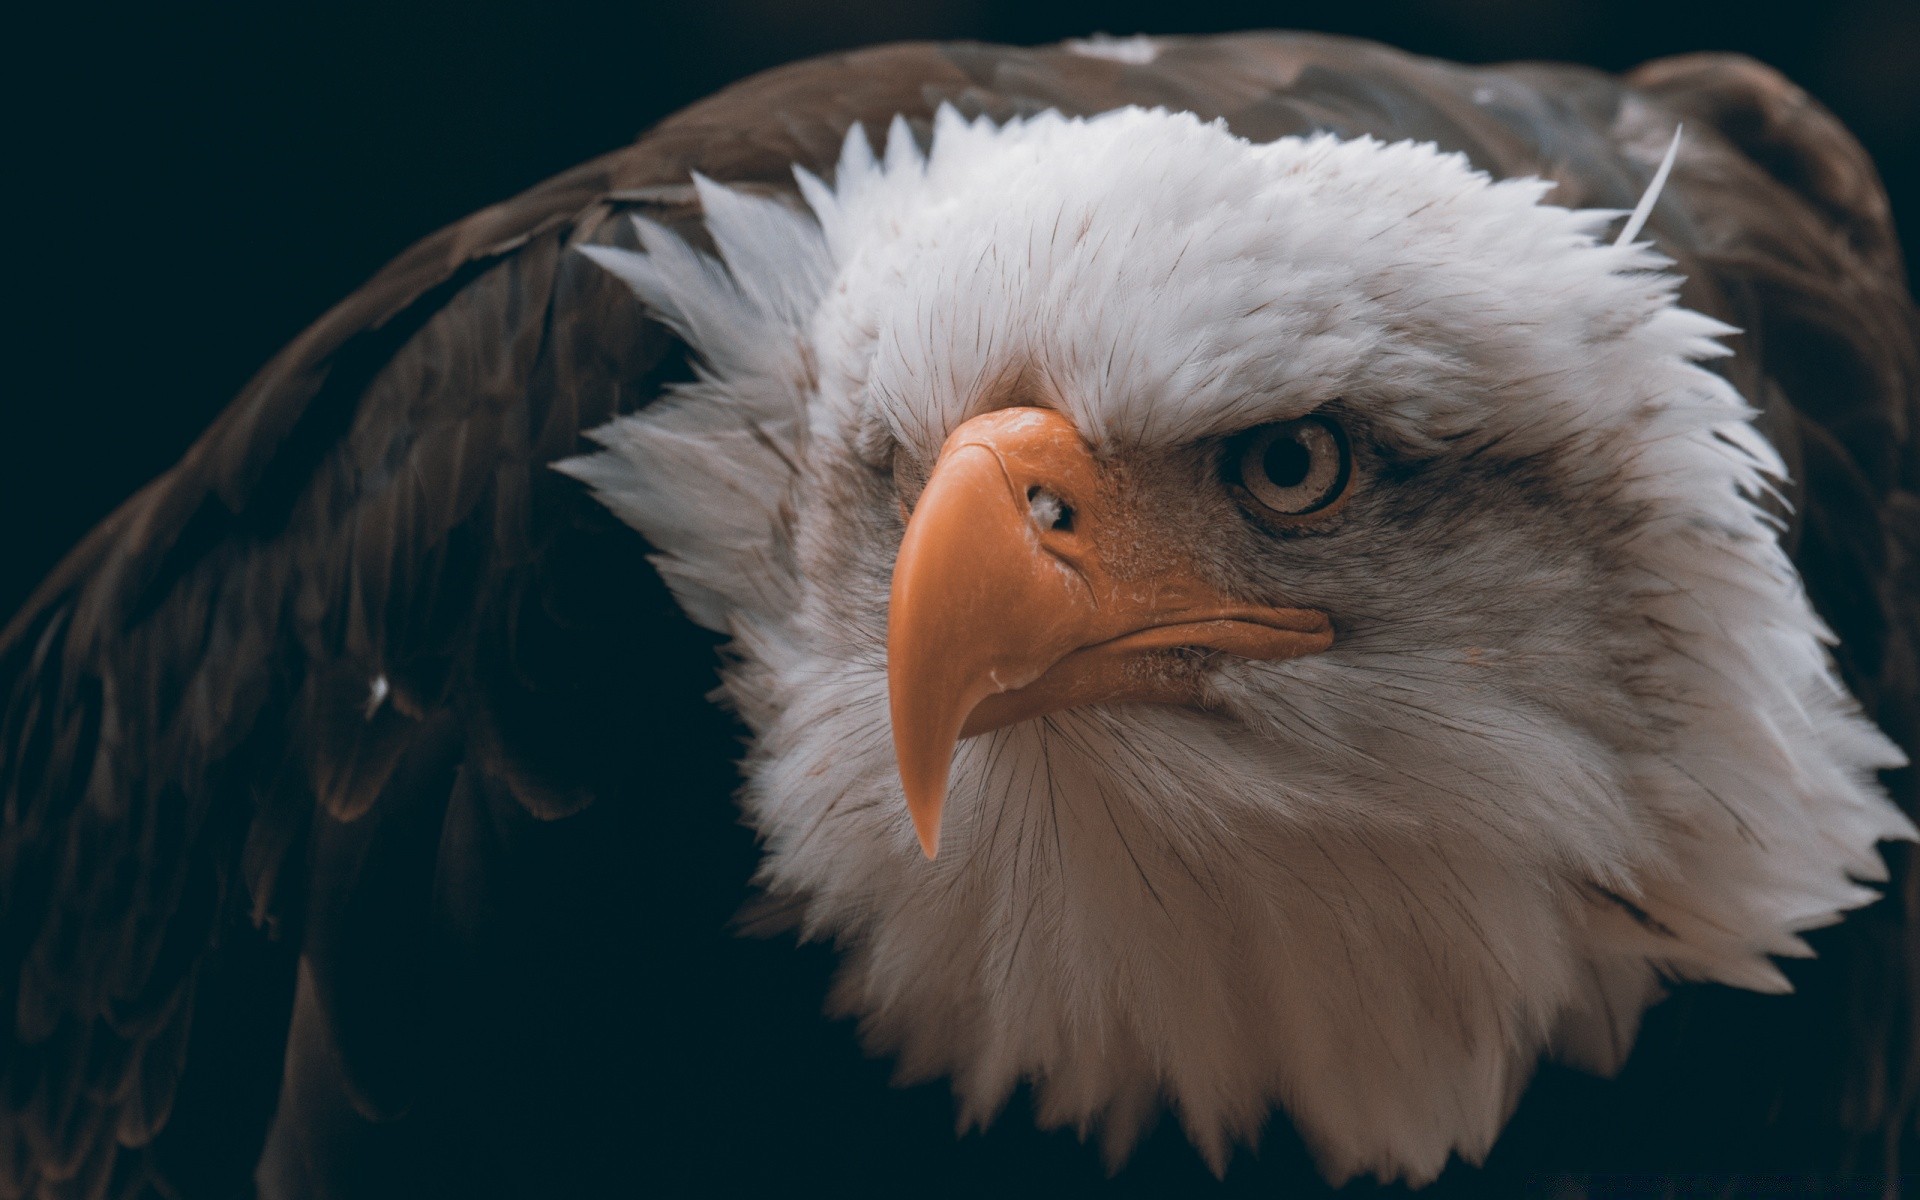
column 1309, row 594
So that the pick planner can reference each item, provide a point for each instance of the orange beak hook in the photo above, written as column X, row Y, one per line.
column 1005, row 603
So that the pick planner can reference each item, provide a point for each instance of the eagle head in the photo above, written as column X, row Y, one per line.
column 1309, row 594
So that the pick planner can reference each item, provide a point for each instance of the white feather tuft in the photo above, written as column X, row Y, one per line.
column 1136, row 50
column 1637, row 220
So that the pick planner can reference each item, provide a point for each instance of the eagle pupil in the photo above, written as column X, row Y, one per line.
column 1286, row 463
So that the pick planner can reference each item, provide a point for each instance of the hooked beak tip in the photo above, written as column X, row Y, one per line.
column 924, row 803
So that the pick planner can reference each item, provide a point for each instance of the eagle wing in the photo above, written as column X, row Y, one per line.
column 355, row 770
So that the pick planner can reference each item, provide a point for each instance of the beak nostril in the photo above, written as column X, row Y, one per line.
column 1049, row 512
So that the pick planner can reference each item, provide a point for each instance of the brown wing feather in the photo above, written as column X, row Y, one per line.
column 1792, row 211
column 189, row 691
column 197, row 777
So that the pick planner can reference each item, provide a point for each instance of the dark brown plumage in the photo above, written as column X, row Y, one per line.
column 463, row 907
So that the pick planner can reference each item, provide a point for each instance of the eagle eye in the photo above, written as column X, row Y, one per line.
column 1296, row 468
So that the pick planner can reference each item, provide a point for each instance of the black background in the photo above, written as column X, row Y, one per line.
column 189, row 189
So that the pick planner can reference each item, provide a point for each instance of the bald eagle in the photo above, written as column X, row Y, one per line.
column 1255, row 608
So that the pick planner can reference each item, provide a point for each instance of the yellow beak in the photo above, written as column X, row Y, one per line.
column 1019, row 591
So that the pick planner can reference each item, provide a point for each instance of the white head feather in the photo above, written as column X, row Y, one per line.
column 1579, row 731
